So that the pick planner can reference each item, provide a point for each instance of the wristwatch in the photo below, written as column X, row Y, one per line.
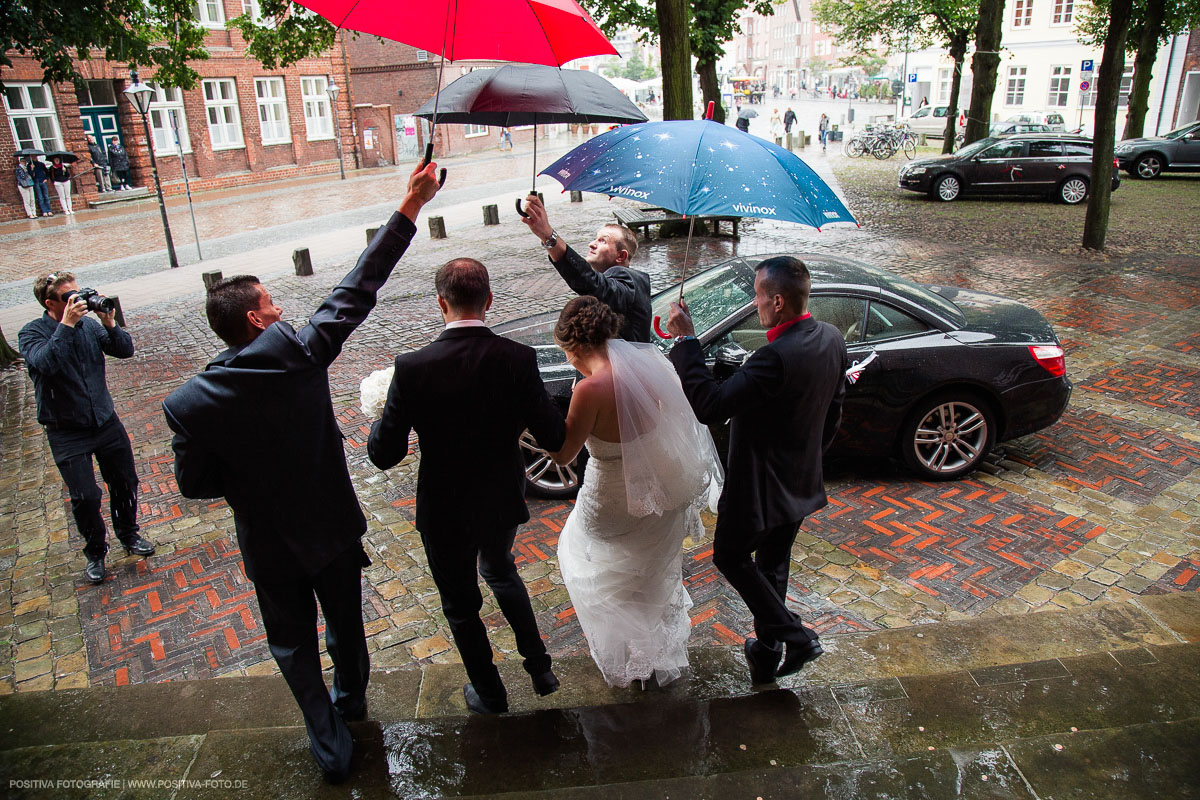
column 553, row 240
column 679, row 339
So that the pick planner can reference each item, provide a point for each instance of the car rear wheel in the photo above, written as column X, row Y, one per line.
column 1148, row 166
column 947, row 188
column 544, row 478
column 948, row 435
column 1073, row 191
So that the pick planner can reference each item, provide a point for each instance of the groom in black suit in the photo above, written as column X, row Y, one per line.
column 469, row 395
column 257, row 428
column 784, row 405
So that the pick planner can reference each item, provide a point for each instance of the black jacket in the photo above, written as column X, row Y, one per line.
column 67, row 368
column 468, row 394
column 623, row 289
column 784, row 405
column 789, row 119
column 99, row 157
column 118, row 159
column 257, row 427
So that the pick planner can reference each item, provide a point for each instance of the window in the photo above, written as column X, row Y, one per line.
column 31, row 116
column 96, row 93
column 1015, row 95
column 224, row 120
column 318, row 119
column 210, row 13
column 1077, row 150
column 1063, row 11
column 167, row 117
column 1060, row 86
column 1004, row 150
column 254, row 9
column 943, row 92
column 1022, row 13
column 422, row 55
column 1126, row 86
column 843, row 313
column 888, row 322
column 472, row 131
column 1088, row 99
column 1045, row 150
column 272, row 110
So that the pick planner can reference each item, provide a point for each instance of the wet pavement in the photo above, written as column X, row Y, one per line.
column 1100, row 507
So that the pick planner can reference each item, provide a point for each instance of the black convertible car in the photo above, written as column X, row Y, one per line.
column 942, row 373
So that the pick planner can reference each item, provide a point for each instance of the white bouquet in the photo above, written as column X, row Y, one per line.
column 373, row 391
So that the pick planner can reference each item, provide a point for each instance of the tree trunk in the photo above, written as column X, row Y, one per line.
column 710, row 89
column 958, row 52
column 985, row 65
column 1108, row 86
column 676, row 51
column 1143, row 66
column 7, row 354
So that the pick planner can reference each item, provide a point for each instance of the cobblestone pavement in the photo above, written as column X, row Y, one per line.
column 1101, row 506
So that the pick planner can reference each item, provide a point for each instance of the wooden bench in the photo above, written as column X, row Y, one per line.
column 635, row 218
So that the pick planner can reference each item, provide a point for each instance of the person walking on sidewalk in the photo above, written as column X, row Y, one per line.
column 789, row 119
column 60, row 173
column 99, row 165
column 25, row 187
column 823, row 128
column 257, row 427
column 64, row 351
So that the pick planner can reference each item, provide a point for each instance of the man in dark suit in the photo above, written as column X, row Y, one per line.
column 604, row 274
column 469, row 394
column 257, row 427
column 784, row 405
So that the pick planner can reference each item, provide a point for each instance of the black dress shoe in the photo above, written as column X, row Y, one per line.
column 478, row 705
column 95, row 570
column 138, row 546
column 545, row 683
column 798, row 655
column 762, row 661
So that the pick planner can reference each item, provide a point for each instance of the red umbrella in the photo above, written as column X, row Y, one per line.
column 550, row 32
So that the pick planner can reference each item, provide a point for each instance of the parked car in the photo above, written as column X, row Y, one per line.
column 1150, row 156
column 931, row 121
column 1051, row 119
column 1009, row 128
column 947, row 372
column 1053, row 164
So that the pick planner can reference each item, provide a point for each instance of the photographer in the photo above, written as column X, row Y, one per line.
column 64, row 351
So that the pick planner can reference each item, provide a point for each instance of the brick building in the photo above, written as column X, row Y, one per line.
column 242, row 124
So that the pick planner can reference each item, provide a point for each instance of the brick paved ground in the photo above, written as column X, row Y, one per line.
column 1101, row 506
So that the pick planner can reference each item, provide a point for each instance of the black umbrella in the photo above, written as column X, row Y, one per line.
column 28, row 151
column 67, row 157
column 531, row 94
column 747, row 113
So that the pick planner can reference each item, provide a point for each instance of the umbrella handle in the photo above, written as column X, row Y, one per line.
column 520, row 210
column 658, row 328
column 428, row 158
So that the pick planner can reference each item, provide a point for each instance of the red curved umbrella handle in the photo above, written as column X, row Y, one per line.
column 711, row 108
column 428, row 158
column 658, row 328
column 520, row 210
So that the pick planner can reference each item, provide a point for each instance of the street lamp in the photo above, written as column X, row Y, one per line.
column 139, row 95
column 332, row 90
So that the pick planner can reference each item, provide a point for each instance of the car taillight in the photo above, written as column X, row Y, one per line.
column 1116, row 164
column 1051, row 357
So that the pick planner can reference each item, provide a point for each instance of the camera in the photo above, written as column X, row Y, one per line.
column 95, row 301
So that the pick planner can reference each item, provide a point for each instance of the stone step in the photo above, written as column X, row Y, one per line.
column 435, row 691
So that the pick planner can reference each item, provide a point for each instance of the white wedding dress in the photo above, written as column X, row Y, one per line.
column 621, row 550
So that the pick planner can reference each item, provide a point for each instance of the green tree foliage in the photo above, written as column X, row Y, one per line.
column 284, row 33
column 911, row 24
column 163, row 35
column 1151, row 24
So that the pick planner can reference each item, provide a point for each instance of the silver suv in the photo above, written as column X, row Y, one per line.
column 1052, row 119
column 931, row 121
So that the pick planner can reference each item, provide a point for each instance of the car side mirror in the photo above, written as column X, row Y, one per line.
column 728, row 358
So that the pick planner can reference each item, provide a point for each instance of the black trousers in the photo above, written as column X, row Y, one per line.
column 453, row 559
column 73, row 451
column 289, row 613
column 756, row 565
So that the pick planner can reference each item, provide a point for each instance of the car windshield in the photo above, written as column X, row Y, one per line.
column 712, row 296
column 1179, row 133
column 974, row 147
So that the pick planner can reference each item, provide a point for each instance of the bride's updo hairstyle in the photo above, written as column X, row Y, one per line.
column 586, row 323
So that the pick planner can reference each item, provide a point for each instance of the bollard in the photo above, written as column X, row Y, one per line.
column 789, row 140
column 302, row 260
column 119, row 315
column 576, row 197
column 803, row 139
column 437, row 228
column 371, row 234
column 491, row 214
column 210, row 277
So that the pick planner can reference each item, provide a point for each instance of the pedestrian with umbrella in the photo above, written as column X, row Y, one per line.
column 25, row 185
column 60, row 174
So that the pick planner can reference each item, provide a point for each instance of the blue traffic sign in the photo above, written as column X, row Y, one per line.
column 1085, row 86
column 1087, row 66
column 912, row 77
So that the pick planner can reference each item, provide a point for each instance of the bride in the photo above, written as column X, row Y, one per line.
column 652, row 467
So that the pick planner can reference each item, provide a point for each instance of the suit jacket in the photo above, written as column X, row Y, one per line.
column 624, row 290
column 468, row 394
column 257, row 428
column 784, row 405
